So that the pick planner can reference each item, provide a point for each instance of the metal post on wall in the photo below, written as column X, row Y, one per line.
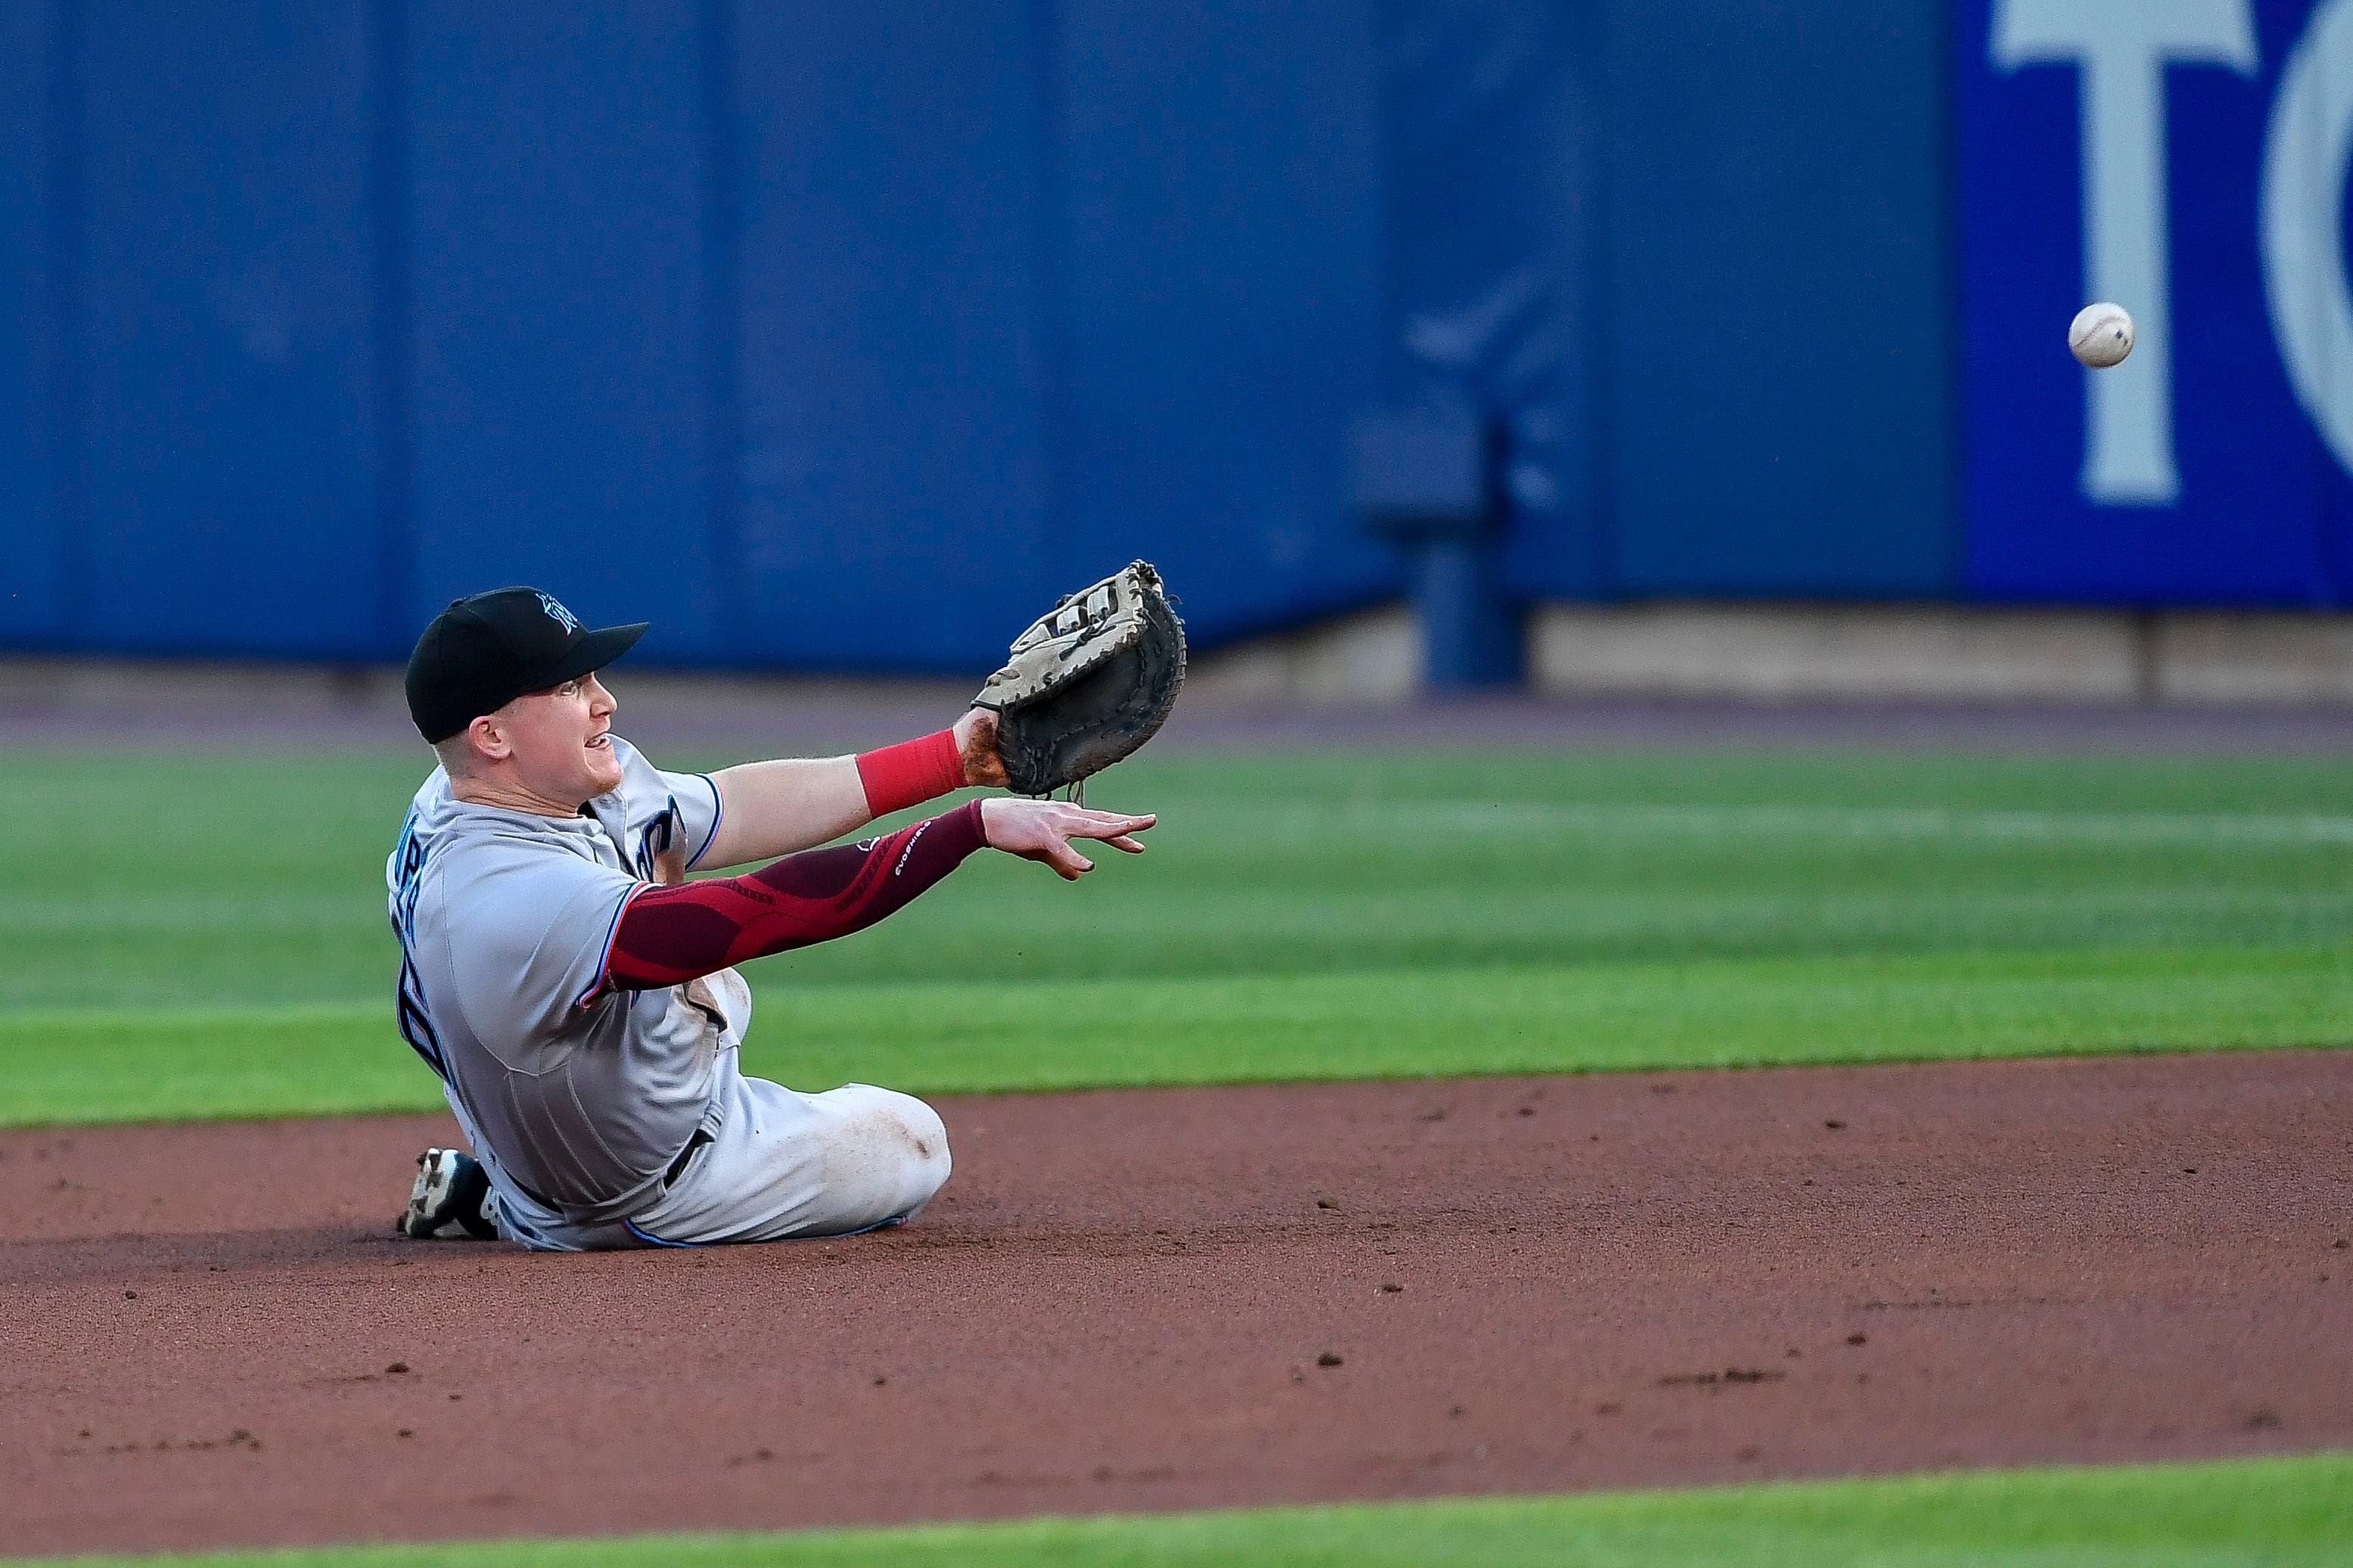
column 1428, row 480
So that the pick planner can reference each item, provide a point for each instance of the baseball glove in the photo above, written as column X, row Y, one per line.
column 1087, row 683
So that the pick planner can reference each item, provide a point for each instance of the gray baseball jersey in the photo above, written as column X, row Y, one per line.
column 506, row 919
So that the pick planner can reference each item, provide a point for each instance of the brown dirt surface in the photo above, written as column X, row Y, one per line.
column 1181, row 1298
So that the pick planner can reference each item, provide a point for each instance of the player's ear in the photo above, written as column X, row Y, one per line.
column 488, row 739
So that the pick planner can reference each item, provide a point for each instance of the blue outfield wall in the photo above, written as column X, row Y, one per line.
column 1781, row 368
column 31, row 581
column 560, row 303
column 839, row 338
column 890, row 347
column 227, row 421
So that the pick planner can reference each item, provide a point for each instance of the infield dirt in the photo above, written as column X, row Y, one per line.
column 1188, row 1298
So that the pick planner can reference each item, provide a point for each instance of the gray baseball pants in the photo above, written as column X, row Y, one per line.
column 781, row 1165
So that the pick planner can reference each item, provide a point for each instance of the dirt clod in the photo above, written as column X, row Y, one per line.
column 1730, row 1375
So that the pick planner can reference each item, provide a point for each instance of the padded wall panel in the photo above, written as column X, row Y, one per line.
column 1781, row 321
column 559, row 311
column 30, row 529
column 892, row 352
column 1493, row 204
column 228, row 443
column 1220, row 265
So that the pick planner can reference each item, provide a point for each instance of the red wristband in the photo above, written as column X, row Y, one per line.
column 910, row 772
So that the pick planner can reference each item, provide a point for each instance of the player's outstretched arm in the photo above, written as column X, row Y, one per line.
column 773, row 808
column 669, row 935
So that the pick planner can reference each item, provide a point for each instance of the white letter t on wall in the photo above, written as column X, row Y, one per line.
column 2122, row 47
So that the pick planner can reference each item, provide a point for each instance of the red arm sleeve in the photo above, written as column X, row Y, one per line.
column 670, row 935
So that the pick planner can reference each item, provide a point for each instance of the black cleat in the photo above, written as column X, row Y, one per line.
column 446, row 1199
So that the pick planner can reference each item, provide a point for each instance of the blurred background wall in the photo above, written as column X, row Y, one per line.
column 835, row 338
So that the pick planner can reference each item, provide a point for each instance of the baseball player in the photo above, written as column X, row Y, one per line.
column 577, row 994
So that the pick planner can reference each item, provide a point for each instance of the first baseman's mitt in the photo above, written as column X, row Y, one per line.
column 1088, row 683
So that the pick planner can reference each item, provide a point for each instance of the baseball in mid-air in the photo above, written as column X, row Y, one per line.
column 2102, row 335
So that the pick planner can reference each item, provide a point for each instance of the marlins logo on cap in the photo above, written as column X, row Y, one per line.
column 558, row 614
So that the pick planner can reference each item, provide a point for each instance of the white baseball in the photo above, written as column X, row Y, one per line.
column 2102, row 335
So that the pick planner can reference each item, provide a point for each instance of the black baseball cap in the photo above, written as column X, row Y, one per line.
column 486, row 651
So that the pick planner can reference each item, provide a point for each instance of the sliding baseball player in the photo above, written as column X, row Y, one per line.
column 577, row 995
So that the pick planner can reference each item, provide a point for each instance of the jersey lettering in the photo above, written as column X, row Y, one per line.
column 656, row 838
column 415, row 1024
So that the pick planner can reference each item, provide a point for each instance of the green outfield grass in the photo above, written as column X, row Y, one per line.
column 2269, row 1511
column 219, row 948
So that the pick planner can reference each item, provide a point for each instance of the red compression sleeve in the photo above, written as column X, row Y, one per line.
column 910, row 772
column 670, row 935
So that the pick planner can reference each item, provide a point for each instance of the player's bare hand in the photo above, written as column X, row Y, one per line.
column 1042, row 830
column 976, row 739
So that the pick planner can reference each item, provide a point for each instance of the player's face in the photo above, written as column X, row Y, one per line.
column 563, row 740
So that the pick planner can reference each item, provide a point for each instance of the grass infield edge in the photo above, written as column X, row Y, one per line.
column 2292, row 1509
column 83, row 1069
